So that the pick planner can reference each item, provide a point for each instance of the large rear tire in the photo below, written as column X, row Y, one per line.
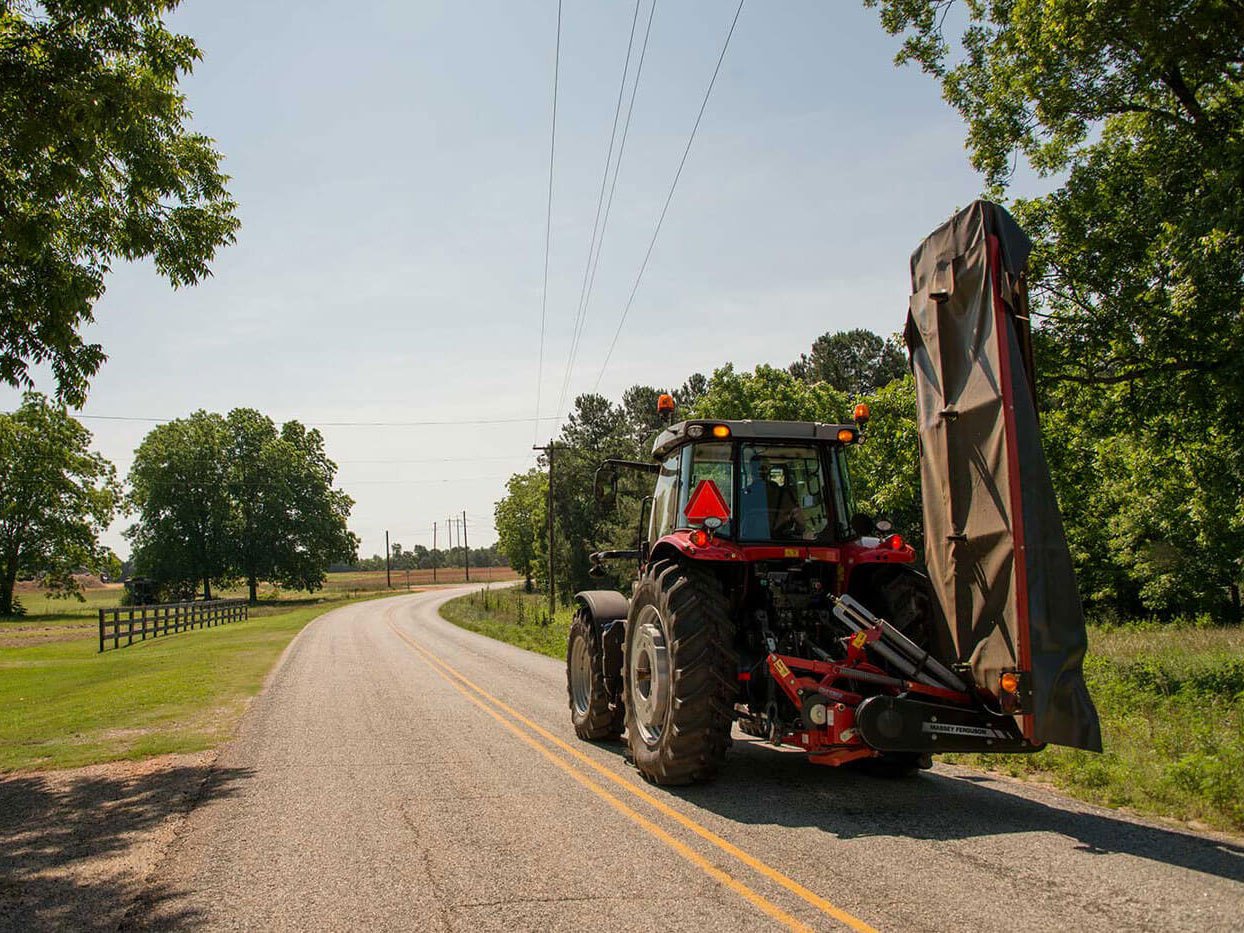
column 680, row 674
column 590, row 711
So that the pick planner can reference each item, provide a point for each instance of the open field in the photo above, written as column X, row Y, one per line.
column 62, row 704
column 1171, row 701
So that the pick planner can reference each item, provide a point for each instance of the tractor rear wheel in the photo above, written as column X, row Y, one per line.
column 585, row 682
column 679, row 674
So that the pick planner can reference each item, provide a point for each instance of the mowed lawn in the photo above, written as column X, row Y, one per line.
column 63, row 704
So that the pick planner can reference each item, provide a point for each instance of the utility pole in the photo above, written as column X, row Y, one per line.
column 434, row 552
column 548, row 450
column 388, row 572
column 466, row 549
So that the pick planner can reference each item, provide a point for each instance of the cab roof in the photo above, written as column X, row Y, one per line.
column 676, row 435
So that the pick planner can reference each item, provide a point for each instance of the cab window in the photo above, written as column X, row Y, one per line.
column 665, row 499
column 782, row 494
column 708, row 461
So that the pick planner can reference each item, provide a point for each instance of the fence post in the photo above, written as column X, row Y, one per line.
column 101, row 631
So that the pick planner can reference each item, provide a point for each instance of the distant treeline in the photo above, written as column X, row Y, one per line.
column 422, row 558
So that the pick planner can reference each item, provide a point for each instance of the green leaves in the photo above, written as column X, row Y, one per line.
column 96, row 164
column 226, row 498
column 56, row 497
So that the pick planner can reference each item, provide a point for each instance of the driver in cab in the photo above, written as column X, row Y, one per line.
column 770, row 509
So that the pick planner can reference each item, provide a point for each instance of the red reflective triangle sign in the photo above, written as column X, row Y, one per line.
column 706, row 502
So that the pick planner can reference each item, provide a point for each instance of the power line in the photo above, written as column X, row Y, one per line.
column 348, row 424
column 548, row 217
column 581, row 312
column 669, row 197
column 630, row 109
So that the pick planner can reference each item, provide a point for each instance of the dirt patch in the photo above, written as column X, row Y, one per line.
column 78, row 846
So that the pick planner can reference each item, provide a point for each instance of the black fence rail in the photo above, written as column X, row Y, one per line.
column 123, row 625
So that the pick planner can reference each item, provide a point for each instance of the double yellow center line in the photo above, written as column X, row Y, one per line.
column 495, row 707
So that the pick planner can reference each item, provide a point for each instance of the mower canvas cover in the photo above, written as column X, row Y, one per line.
column 994, row 543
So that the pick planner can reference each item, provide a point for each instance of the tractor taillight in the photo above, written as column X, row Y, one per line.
column 894, row 543
column 700, row 537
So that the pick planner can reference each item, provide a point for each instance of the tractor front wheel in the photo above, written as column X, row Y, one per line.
column 680, row 675
column 590, row 710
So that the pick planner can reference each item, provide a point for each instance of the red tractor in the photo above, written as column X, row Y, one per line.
column 764, row 598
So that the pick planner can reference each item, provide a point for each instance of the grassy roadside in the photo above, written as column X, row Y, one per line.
column 1171, row 701
column 510, row 615
column 64, row 705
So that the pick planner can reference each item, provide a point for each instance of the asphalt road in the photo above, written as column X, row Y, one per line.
column 400, row 773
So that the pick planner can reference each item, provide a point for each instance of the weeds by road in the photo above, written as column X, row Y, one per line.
column 508, row 614
column 1171, row 701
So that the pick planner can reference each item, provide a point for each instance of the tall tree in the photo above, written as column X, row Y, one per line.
column 97, row 163
column 520, row 518
column 1135, row 111
column 289, row 523
column 56, row 497
column 853, row 361
column 231, row 498
column 179, row 487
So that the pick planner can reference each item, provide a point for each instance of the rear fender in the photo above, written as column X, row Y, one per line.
column 606, row 612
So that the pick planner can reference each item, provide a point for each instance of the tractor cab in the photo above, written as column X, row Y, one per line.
column 741, row 492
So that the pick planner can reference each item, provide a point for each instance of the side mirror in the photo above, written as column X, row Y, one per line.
column 862, row 524
column 605, row 488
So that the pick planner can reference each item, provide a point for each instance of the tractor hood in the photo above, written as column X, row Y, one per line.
column 995, row 548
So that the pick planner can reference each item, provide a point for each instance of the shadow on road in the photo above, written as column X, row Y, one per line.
column 74, row 848
column 764, row 785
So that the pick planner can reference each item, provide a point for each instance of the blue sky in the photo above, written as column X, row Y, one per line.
column 390, row 160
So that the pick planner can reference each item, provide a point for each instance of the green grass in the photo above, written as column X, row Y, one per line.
column 62, row 704
column 510, row 615
column 1171, row 701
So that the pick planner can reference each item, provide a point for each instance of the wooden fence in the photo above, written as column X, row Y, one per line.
column 123, row 625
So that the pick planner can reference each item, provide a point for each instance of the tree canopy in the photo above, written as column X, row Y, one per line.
column 56, row 497
column 1135, row 114
column 226, row 498
column 853, row 361
column 520, row 519
column 97, row 163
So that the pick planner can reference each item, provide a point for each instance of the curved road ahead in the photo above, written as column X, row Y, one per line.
column 401, row 773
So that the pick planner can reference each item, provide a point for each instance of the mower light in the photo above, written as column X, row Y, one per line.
column 665, row 403
column 695, row 430
column 720, row 430
column 861, row 414
column 894, row 543
column 700, row 537
column 846, row 436
column 1010, row 682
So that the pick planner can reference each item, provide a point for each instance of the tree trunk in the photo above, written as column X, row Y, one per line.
column 1235, row 602
column 207, row 587
column 254, row 588
column 7, row 583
